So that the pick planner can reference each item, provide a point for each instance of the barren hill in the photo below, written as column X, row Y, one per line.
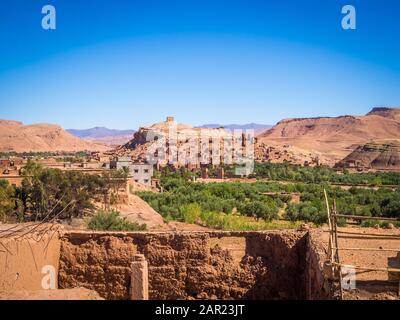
column 332, row 138
column 383, row 155
column 17, row 137
column 139, row 211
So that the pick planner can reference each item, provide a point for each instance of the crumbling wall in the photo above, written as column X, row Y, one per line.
column 188, row 265
column 318, row 284
column 185, row 265
column 100, row 263
column 283, row 256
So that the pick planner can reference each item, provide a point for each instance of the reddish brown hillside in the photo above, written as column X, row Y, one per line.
column 17, row 137
column 333, row 138
column 380, row 155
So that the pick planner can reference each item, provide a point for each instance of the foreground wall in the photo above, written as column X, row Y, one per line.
column 191, row 265
column 319, row 284
column 29, row 257
column 185, row 265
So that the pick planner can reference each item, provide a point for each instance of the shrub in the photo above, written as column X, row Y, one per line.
column 260, row 210
column 369, row 223
column 232, row 222
column 190, row 212
column 373, row 223
column 112, row 221
column 213, row 219
column 305, row 212
column 341, row 222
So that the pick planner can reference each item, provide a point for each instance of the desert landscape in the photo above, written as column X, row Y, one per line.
column 193, row 219
column 199, row 158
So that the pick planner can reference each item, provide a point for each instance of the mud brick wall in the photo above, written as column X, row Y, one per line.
column 186, row 266
column 98, row 263
column 283, row 257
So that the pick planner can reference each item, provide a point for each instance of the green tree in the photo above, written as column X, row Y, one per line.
column 7, row 201
column 260, row 210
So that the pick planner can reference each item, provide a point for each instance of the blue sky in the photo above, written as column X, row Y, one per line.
column 123, row 64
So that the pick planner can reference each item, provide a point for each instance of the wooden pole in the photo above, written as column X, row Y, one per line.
column 368, row 268
column 334, row 224
column 398, row 293
column 337, row 248
column 366, row 236
column 330, row 228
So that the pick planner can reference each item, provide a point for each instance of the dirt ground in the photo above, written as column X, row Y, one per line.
column 58, row 294
column 369, row 284
column 137, row 210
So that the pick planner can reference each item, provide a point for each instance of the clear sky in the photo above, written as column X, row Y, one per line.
column 123, row 64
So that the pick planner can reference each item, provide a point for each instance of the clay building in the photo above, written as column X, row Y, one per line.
column 140, row 172
column 121, row 163
column 5, row 163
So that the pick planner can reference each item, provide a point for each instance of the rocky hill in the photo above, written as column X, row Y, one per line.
column 329, row 138
column 17, row 137
column 384, row 155
column 143, row 143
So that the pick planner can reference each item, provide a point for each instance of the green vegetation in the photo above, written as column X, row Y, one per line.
column 7, row 200
column 381, row 224
column 72, row 159
column 54, row 194
column 288, row 172
column 224, row 197
column 306, row 211
column 238, row 205
column 32, row 155
column 112, row 221
column 192, row 213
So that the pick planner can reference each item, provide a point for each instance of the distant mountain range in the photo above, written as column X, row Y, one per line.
column 119, row 137
column 103, row 132
column 297, row 140
column 99, row 132
column 111, row 137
